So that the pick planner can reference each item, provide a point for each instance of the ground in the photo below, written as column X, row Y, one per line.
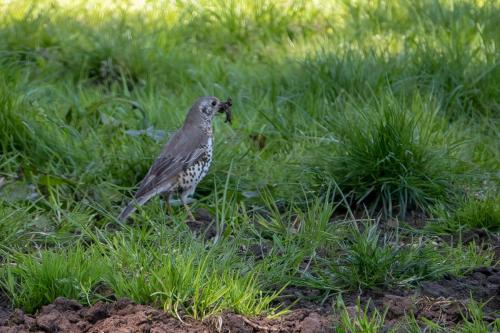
column 356, row 189
column 442, row 301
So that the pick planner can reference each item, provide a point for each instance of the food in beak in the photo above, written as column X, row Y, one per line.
column 225, row 107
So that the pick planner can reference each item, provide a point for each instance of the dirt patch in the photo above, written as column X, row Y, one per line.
column 204, row 226
column 483, row 285
column 304, row 298
column 65, row 315
column 297, row 321
column 123, row 316
column 442, row 301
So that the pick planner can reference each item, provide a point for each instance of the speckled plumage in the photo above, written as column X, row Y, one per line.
column 184, row 160
column 189, row 178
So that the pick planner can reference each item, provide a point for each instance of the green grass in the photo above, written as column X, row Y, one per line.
column 470, row 214
column 392, row 159
column 345, row 114
column 37, row 279
column 369, row 260
column 360, row 320
column 185, row 279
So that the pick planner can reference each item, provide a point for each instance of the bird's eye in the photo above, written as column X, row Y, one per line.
column 214, row 103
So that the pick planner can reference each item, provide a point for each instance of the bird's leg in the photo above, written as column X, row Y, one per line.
column 183, row 200
column 166, row 196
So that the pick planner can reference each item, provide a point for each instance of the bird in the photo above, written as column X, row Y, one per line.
column 184, row 160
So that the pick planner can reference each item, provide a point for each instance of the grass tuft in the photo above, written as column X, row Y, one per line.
column 391, row 159
column 471, row 214
column 33, row 280
column 367, row 260
column 358, row 319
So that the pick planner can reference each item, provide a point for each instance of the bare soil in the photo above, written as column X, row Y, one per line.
column 123, row 316
column 205, row 225
column 440, row 301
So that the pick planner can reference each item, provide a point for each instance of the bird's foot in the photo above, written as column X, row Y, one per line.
column 191, row 217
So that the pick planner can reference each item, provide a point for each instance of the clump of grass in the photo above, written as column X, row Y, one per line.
column 471, row 214
column 22, row 226
column 365, row 319
column 187, row 280
column 390, row 158
column 359, row 320
column 461, row 259
column 411, row 324
column 183, row 280
column 366, row 260
column 473, row 320
column 298, row 237
column 35, row 279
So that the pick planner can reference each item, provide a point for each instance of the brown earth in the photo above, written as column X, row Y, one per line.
column 205, row 225
column 125, row 316
column 441, row 301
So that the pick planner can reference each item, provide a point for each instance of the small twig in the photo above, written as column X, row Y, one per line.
column 259, row 327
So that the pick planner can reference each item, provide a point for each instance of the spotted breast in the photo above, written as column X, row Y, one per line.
column 189, row 179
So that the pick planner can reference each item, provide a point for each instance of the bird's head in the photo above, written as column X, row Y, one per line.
column 205, row 108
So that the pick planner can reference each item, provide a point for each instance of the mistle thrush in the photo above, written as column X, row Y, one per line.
column 185, row 158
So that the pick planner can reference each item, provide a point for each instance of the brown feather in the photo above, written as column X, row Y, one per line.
column 179, row 153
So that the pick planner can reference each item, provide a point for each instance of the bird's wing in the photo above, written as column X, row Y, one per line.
column 178, row 154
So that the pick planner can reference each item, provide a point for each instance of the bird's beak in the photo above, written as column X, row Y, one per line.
column 225, row 107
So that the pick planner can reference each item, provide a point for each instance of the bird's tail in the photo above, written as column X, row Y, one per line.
column 131, row 207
